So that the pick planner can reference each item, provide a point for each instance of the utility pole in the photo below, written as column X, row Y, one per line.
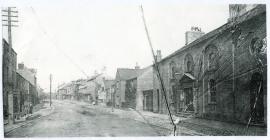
column 158, row 72
column 50, row 89
column 8, row 18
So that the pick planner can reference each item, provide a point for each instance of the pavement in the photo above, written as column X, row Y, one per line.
column 41, row 110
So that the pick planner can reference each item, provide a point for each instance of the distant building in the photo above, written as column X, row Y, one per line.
column 88, row 90
column 65, row 91
column 122, row 76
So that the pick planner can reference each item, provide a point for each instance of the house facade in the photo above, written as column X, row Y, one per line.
column 130, row 93
column 122, row 75
column 144, row 96
column 220, row 74
column 9, row 66
column 29, row 74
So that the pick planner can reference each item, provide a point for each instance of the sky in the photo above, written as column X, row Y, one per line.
column 70, row 38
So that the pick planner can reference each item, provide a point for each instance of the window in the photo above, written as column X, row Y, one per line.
column 172, row 69
column 211, row 53
column 257, row 46
column 212, row 90
column 189, row 64
column 211, row 61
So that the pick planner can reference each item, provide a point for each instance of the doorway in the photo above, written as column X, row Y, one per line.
column 148, row 100
column 188, row 99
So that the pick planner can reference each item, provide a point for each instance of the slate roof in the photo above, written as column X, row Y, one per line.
column 93, row 77
column 108, row 83
column 27, row 75
column 261, row 8
column 125, row 73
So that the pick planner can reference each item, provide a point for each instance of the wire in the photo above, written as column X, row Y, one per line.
column 55, row 44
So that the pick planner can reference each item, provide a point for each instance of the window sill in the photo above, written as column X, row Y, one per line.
column 212, row 103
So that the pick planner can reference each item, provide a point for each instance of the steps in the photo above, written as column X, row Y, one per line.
column 187, row 114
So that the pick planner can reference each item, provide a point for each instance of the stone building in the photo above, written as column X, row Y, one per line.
column 9, row 65
column 122, row 75
column 29, row 74
column 130, row 93
column 87, row 89
column 61, row 91
column 220, row 74
column 23, row 100
column 144, row 96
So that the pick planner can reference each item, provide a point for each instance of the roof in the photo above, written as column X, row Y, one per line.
column 5, row 44
column 261, row 8
column 93, row 77
column 27, row 75
column 108, row 83
column 187, row 75
column 125, row 73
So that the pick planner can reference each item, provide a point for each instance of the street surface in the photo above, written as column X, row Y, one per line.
column 73, row 120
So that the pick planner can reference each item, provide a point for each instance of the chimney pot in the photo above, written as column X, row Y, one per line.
column 21, row 66
column 159, row 56
column 137, row 66
column 193, row 34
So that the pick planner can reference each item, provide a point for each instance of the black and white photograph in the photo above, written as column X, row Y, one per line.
column 89, row 68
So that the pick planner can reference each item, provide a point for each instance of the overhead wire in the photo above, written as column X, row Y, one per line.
column 55, row 44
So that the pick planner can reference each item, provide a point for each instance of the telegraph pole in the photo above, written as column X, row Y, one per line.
column 10, row 16
column 50, row 89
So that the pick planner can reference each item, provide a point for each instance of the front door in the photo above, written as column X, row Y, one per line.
column 148, row 100
column 188, row 99
column 180, row 101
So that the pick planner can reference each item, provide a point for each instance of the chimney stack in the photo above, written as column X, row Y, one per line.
column 193, row 34
column 137, row 66
column 237, row 10
column 159, row 57
column 21, row 66
column 34, row 71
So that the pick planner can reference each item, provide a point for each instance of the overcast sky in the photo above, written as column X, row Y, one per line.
column 68, row 37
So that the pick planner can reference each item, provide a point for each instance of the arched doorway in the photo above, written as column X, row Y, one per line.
column 256, row 98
